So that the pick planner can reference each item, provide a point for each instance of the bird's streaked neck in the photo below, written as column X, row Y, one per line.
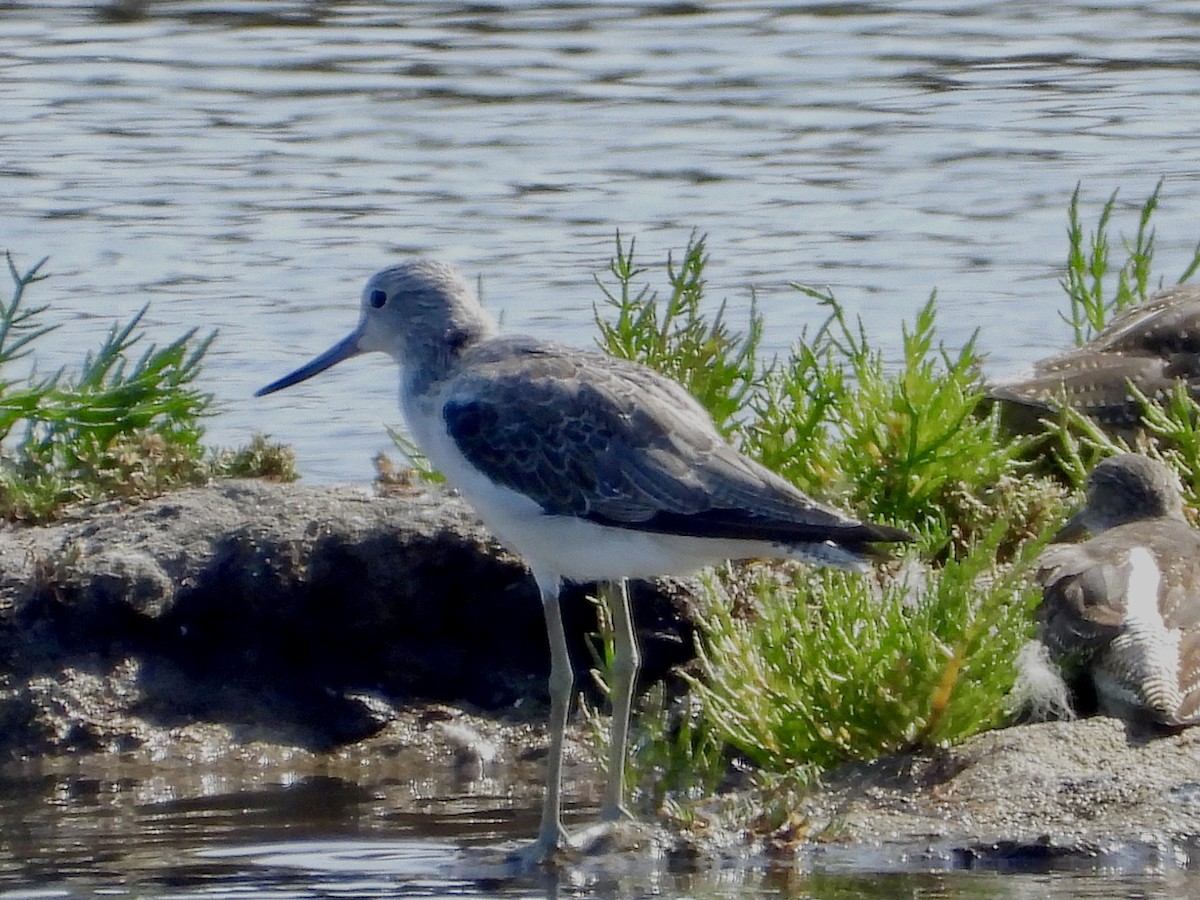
column 425, row 365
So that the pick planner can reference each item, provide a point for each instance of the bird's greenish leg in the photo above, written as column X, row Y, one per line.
column 552, row 836
column 624, row 672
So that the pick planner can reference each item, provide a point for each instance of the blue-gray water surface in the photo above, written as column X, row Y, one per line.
column 244, row 166
column 204, row 832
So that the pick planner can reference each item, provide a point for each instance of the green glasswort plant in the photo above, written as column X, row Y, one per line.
column 821, row 668
column 718, row 366
column 810, row 669
column 261, row 458
column 900, row 444
column 120, row 426
column 1089, row 266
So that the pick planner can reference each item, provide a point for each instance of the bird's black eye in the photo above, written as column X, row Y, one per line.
column 378, row 298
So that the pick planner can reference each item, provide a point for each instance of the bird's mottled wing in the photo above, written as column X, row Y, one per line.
column 1083, row 599
column 1166, row 324
column 1152, row 346
column 1188, row 712
column 588, row 435
column 1096, row 384
column 1179, row 562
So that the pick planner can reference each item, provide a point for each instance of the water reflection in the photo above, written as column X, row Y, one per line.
column 326, row 837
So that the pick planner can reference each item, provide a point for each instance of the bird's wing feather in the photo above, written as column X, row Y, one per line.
column 1085, row 585
column 1188, row 712
column 1083, row 599
column 1168, row 322
column 588, row 435
column 1094, row 383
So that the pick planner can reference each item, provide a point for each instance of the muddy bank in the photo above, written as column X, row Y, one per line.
column 248, row 636
column 292, row 615
column 1089, row 793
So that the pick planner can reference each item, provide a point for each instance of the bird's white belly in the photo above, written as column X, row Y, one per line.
column 568, row 547
column 580, row 550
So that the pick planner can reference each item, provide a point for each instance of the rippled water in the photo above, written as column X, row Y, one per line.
column 72, row 835
column 243, row 166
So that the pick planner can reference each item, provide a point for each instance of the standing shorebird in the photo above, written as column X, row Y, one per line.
column 591, row 468
column 1124, row 606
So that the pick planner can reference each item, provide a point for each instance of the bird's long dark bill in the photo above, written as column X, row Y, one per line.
column 331, row 357
column 1073, row 529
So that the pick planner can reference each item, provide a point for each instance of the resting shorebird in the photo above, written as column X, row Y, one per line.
column 1124, row 606
column 591, row 468
column 1153, row 346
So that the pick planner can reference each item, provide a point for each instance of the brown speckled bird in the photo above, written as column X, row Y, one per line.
column 1124, row 606
column 1152, row 346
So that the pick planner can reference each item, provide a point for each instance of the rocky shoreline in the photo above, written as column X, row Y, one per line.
column 255, row 627
column 293, row 615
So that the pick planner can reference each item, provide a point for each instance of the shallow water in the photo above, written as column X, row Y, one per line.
column 86, row 836
column 245, row 166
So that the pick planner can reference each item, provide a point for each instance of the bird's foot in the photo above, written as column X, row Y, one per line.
column 618, row 834
column 621, row 832
column 548, row 851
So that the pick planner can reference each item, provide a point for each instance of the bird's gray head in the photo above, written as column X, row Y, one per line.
column 1126, row 488
column 421, row 312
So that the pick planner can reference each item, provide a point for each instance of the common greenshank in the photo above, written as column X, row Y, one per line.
column 589, row 467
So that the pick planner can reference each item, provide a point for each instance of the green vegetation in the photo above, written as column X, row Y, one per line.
column 261, row 458
column 119, row 427
column 718, row 366
column 813, row 670
column 800, row 670
column 1171, row 425
column 1089, row 267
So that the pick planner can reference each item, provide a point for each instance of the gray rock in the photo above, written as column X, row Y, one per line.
column 1092, row 792
column 293, row 614
column 247, row 630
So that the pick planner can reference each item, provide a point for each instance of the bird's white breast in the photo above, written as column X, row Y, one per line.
column 1144, row 659
column 560, row 546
